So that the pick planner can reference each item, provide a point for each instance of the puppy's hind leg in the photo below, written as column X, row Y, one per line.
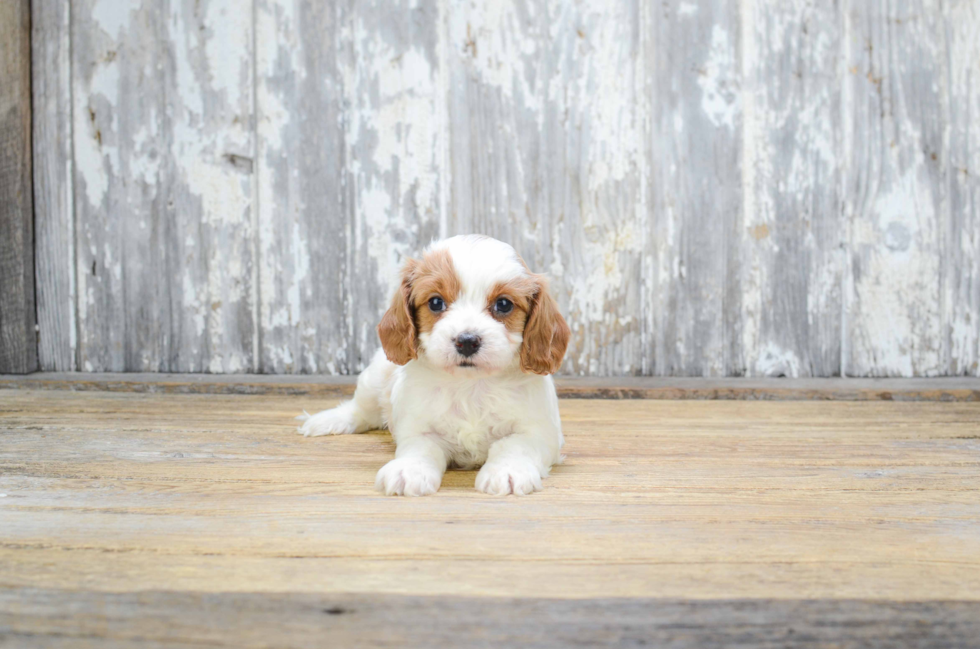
column 360, row 414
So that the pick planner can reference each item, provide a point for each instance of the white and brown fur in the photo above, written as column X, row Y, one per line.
column 495, row 408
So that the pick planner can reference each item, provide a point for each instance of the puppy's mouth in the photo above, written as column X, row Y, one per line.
column 466, row 364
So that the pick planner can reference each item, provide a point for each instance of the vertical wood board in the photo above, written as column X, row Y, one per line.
column 546, row 116
column 54, row 223
column 163, row 146
column 302, row 234
column 18, row 347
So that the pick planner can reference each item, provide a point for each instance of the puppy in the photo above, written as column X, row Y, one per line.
column 469, row 343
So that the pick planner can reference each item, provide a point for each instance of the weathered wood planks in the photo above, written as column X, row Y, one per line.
column 757, row 188
column 791, row 237
column 18, row 346
column 547, row 118
column 395, row 135
column 896, row 84
column 37, row 618
column 303, row 274
column 169, row 518
column 163, row 148
column 54, row 231
column 961, row 232
column 946, row 389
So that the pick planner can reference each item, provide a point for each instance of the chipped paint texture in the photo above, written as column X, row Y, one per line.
column 716, row 188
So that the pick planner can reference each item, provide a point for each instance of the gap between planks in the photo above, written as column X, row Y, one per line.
column 961, row 389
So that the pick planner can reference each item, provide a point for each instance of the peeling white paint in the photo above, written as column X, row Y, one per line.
column 719, row 80
column 774, row 361
column 543, row 111
column 110, row 17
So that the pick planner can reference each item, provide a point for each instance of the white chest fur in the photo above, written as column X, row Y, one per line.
column 466, row 412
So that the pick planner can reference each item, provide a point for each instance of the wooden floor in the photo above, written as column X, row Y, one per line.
column 161, row 520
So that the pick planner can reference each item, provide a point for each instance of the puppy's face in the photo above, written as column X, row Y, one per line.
column 470, row 305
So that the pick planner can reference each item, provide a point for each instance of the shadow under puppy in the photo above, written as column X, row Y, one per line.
column 469, row 343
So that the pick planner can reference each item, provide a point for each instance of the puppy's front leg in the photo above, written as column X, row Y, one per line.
column 516, row 463
column 417, row 469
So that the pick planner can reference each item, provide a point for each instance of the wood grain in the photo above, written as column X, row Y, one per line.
column 395, row 141
column 163, row 146
column 38, row 618
column 18, row 341
column 894, row 197
column 155, row 520
column 303, row 237
column 212, row 493
column 695, row 188
column 54, row 212
column 961, row 235
column 547, row 121
column 792, row 260
column 742, row 389
column 759, row 188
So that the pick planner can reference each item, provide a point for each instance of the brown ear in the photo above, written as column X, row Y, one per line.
column 397, row 327
column 546, row 333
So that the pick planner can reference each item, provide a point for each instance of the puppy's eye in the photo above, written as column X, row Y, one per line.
column 503, row 306
column 437, row 304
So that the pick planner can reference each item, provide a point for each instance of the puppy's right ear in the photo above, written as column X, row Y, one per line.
column 397, row 328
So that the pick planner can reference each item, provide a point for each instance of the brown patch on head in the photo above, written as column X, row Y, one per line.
column 435, row 276
column 521, row 292
column 409, row 313
column 546, row 333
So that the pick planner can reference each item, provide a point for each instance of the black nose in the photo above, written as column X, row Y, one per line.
column 467, row 344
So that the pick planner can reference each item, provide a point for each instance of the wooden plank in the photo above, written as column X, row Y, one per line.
column 163, row 149
column 718, row 500
column 18, row 340
column 935, row 389
column 302, row 226
column 54, row 218
column 894, row 145
column 54, row 618
column 394, row 151
column 792, row 262
column 961, row 256
column 548, row 144
column 695, row 189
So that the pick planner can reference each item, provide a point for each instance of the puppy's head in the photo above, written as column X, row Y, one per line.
column 471, row 305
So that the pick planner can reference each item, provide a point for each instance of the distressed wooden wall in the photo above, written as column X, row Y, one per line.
column 761, row 187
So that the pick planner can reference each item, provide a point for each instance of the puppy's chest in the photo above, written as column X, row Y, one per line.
column 467, row 424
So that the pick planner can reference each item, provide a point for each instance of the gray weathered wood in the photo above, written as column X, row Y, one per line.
column 54, row 224
column 961, row 237
column 755, row 188
column 547, row 122
column 163, row 146
column 792, row 261
column 18, row 341
column 894, row 194
column 394, row 150
column 695, row 188
column 39, row 617
column 946, row 389
column 303, row 238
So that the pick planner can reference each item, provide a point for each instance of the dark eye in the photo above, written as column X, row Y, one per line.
column 437, row 304
column 503, row 306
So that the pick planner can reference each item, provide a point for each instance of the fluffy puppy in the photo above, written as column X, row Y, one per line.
column 469, row 343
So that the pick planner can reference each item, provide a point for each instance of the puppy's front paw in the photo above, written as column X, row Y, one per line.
column 337, row 421
column 408, row 476
column 508, row 476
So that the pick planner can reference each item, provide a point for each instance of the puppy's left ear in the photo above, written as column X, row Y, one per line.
column 397, row 328
column 546, row 333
